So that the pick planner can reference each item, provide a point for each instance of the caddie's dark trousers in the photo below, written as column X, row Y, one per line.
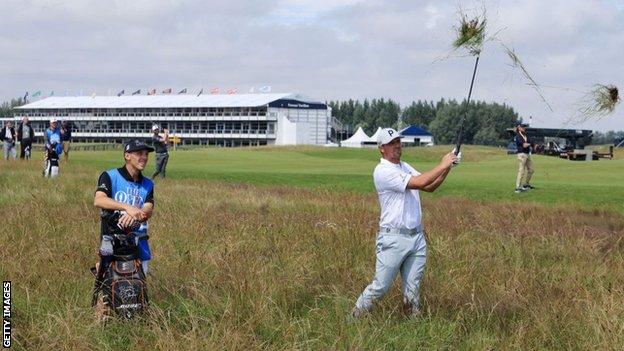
column 161, row 164
column 25, row 143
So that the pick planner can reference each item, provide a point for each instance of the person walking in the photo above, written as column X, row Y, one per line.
column 8, row 138
column 52, row 136
column 401, row 245
column 525, row 164
column 66, row 138
column 162, row 155
column 25, row 135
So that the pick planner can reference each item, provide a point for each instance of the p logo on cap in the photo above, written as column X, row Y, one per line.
column 387, row 135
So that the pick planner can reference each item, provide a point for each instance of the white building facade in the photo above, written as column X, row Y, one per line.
column 223, row 120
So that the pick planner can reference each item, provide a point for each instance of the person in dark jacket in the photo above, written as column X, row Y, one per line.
column 8, row 137
column 66, row 138
column 25, row 135
column 525, row 164
column 160, row 145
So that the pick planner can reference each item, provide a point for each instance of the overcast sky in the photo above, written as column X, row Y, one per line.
column 325, row 49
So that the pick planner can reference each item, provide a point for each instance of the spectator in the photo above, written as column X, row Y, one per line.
column 8, row 137
column 25, row 135
column 66, row 138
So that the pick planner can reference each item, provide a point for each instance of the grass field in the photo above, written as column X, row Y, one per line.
column 268, row 248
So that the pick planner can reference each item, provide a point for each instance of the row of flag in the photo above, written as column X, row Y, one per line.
column 212, row 91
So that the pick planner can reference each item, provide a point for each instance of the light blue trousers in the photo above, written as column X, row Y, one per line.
column 397, row 252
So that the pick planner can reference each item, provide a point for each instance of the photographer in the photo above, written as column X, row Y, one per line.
column 160, row 145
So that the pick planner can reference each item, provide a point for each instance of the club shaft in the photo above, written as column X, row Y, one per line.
column 461, row 122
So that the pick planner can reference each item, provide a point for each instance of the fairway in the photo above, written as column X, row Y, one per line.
column 485, row 174
column 268, row 248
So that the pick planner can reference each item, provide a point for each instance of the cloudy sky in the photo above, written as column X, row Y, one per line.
column 325, row 49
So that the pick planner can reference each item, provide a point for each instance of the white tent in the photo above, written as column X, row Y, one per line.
column 374, row 137
column 356, row 139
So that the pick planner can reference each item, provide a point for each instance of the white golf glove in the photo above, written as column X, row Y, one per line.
column 106, row 247
column 459, row 156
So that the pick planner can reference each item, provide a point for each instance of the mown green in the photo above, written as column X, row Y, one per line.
column 486, row 174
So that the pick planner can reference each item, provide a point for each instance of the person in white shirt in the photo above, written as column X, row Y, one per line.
column 401, row 244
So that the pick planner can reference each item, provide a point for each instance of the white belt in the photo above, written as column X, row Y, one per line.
column 401, row 231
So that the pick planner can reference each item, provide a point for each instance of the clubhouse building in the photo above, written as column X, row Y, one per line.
column 222, row 120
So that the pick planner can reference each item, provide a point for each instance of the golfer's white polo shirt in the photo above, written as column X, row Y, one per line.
column 400, row 207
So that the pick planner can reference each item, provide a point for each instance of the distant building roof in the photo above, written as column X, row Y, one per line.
column 164, row 101
column 414, row 130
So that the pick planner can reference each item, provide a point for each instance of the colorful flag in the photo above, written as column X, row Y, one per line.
column 201, row 92
column 152, row 92
column 167, row 91
column 183, row 91
column 137, row 92
column 214, row 91
column 37, row 93
column 265, row 89
column 123, row 91
column 232, row 91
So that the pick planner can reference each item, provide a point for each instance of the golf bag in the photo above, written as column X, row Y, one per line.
column 51, row 167
column 27, row 152
column 119, row 277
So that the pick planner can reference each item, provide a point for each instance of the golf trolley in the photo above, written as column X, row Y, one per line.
column 27, row 152
column 119, row 278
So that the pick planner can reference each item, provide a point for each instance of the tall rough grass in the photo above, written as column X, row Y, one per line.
column 243, row 267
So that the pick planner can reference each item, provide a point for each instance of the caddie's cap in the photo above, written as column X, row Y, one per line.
column 53, row 120
column 387, row 135
column 137, row 145
column 155, row 127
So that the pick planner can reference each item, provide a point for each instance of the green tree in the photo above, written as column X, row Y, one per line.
column 7, row 108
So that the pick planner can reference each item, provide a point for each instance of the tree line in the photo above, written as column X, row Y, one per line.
column 7, row 107
column 485, row 123
column 607, row 138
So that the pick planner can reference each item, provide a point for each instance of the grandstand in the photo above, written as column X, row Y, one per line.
column 223, row 120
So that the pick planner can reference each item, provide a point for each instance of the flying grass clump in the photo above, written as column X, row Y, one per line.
column 605, row 98
column 471, row 34
column 599, row 102
column 516, row 63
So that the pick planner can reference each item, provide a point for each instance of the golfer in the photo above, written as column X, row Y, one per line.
column 525, row 164
column 401, row 244
column 126, row 189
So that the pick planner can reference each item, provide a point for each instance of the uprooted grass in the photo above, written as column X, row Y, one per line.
column 516, row 63
column 246, row 267
column 599, row 102
column 470, row 33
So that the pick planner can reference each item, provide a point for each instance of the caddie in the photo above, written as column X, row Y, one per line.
column 401, row 244
column 126, row 189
